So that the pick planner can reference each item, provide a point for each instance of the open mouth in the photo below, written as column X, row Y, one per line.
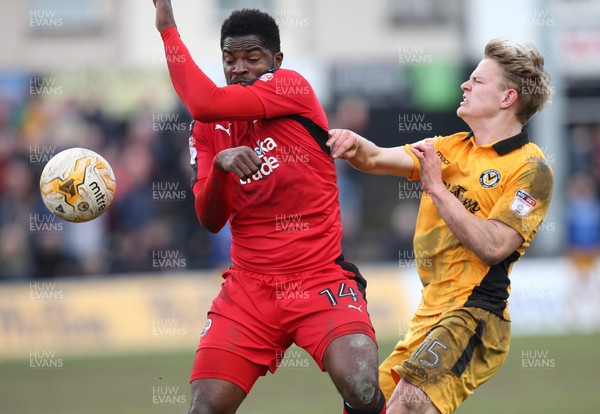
column 464, row 100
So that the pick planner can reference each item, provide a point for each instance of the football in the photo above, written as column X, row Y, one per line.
column 77, row 185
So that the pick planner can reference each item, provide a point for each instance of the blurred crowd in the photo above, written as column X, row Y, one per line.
column 583, row 225
column 583, row 206
column 583, row 199
column 151, row 225
column 148, row 152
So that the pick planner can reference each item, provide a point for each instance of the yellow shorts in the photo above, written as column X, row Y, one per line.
column 584, row 261
column 448, row 355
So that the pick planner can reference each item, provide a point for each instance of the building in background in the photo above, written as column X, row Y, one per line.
column 94, row 74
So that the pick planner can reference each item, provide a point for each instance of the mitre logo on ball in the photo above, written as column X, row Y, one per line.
column 77, row 185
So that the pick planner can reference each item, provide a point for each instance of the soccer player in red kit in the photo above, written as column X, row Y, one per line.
column 260, row 159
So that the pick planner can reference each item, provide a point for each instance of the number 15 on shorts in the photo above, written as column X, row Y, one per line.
column 429, row 353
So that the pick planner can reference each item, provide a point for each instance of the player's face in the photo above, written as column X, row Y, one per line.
column 483, row 92
column 245, row 58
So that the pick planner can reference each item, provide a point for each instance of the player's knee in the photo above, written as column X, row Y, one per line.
column 201, row 405
column 204, row 404
column 361, row 390
column 352, row 363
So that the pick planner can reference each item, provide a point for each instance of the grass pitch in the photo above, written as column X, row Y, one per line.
column 541, row 375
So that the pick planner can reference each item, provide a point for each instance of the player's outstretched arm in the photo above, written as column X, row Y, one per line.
column 365, row 156
column 205, row 101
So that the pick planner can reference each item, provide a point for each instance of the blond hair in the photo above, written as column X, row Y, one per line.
column 523, row 70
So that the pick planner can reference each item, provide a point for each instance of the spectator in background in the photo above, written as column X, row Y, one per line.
column 16, row 190
column 351, row 113
column 595, row 152
column 134, row 208
column 583, row 222
column 581, row 148
column 15, row 252
column 402, row 226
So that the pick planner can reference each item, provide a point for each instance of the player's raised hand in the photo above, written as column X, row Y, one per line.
column 431, row 166
column 242, row 161
column 164, row 14
column 343, row 143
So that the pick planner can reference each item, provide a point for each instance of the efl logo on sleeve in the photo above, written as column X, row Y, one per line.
column 522, row 203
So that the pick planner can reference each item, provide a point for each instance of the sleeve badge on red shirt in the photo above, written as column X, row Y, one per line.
column 522, row 203
column 207, row 326
column 193, row 150
column 266, row 77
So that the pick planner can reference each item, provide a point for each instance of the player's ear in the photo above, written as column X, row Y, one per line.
column 509, row 98
column 277, row 59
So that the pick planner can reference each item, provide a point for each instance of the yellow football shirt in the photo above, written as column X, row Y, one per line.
column 508, row 181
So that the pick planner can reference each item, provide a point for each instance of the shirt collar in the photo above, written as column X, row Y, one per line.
column 504, row 146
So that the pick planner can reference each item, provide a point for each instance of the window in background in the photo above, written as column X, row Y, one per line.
column 225, row 7
column 67, row 17
column 424, row 12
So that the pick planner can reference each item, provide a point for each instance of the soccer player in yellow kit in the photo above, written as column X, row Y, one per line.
column 485, row 194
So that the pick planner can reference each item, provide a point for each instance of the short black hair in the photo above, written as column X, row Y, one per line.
column 247, row 22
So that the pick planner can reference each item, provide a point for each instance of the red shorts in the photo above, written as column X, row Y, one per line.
column 256, row 317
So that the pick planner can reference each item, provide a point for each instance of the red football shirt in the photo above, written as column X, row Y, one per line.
column 285, row 218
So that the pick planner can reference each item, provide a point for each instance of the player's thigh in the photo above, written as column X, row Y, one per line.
column 466, row 348
column 333, row 306
column 387, row 381
column 226, row 365
column 237, row 344
column 417, row 332
column 215, row 396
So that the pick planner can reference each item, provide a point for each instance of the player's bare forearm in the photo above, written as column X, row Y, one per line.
column 164, row 14
column 490, row 240
column 367, row 157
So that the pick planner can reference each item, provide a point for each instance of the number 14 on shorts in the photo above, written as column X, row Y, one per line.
column 342, row 292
